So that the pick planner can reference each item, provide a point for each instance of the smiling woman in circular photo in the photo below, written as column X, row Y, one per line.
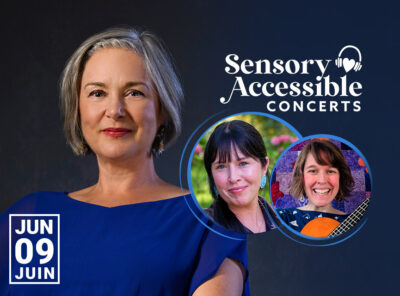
column 320, row 187
column 230, row 172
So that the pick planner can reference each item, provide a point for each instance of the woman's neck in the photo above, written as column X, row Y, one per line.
column 126, row 174
column 251, row 216
column 124, row 182
column 324, row 209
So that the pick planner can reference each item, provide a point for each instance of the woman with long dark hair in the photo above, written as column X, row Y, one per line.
column 236, row 162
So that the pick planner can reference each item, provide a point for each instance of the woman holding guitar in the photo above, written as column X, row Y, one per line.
column 321, row 175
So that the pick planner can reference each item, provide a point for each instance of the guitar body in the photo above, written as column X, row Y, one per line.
column 320, row 227
column 324, row 226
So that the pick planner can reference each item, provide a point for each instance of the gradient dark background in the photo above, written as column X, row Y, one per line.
column 37, row 38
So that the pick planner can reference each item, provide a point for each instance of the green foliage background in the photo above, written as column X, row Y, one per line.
column 267, row 127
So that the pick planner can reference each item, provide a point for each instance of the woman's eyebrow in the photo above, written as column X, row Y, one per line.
column 310, row 166
column 128, row 84
column 135, row 83
column 244, row 157
column 101, row 84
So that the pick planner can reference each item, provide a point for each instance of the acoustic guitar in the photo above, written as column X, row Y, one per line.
column 328, row 227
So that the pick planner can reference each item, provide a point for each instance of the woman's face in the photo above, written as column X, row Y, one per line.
column 118, row 106
column 321, row 182
column 238, row 181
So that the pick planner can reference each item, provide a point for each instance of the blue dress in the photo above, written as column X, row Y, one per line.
column 150, row 248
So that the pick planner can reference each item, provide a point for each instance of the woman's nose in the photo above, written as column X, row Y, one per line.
column 321, row 177
column 234, row 175
column 115, row 107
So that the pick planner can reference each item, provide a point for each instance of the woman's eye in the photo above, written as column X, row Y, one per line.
column 135, row 93
column 332, row 171
column 243, row 163
column 311, row 171
column 220, row 166
column 97, row 93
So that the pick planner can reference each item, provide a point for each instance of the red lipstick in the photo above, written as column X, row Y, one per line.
column 116, row 132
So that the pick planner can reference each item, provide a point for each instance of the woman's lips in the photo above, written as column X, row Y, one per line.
column 116, row 132
column 237, row 189
column 321, row 191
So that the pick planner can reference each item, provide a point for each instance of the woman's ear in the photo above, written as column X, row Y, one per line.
column 161, row 114
column 265, row 168
column 161, row 118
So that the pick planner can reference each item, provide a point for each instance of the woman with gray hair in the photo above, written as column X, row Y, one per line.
column 131, row 233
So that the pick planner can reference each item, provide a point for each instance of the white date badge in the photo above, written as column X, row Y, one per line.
column 34, row 245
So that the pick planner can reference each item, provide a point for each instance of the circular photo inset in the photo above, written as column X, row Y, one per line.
column 230, row 170
column 320, row 187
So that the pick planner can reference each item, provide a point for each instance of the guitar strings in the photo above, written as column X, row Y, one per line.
column 351, row 220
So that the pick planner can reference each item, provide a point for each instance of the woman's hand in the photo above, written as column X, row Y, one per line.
column 228, row 281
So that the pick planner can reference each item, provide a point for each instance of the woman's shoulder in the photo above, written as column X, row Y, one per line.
column 288, row 214
column 168, row 191
column 287, row 211
column 31, row 201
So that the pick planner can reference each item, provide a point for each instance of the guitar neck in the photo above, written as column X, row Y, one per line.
column 352, row 219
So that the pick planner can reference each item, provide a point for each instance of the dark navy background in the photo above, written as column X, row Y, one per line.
column 37, row 38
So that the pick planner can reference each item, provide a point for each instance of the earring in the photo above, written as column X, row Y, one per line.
column 160, row 149
column 302, row 199
column 263, row 181
column 215, row 190
column 158, row 144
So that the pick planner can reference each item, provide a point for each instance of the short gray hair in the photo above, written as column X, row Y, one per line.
column 157, row 62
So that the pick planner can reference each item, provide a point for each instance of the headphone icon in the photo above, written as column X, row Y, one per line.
column 349, row 64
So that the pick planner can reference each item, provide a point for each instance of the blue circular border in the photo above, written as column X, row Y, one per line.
column 316, row 239
column 189, row 181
